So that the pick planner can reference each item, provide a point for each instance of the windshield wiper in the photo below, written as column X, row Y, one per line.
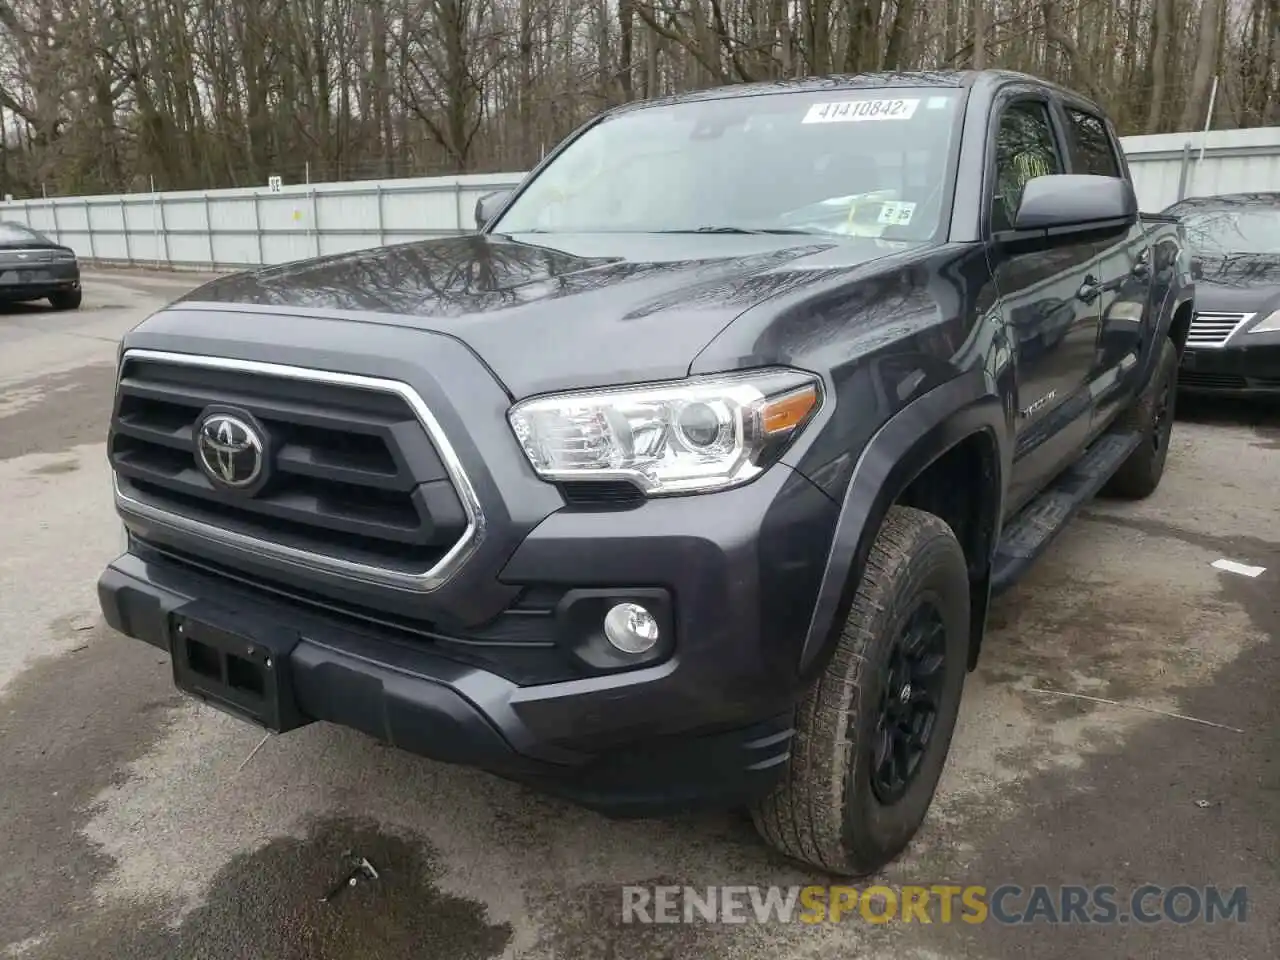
column 761, row 230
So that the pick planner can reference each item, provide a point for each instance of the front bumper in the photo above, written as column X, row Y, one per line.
column 1249, row 365
column 449, row 712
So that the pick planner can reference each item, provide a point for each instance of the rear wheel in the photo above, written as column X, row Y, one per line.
column 873, row 733
column 66, row 299
column 1151, row 416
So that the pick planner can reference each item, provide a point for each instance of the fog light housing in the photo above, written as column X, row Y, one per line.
column 631, row 628
column 610, row 629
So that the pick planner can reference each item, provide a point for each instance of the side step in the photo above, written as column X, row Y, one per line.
column 1027, row 535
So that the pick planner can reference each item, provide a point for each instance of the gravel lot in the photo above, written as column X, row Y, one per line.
column 129, row 829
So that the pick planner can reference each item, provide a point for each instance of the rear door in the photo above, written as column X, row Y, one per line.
column 1046, row 297
column 1124, row 268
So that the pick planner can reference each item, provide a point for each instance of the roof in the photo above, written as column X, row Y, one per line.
column 1229, row 199
column 924, row 79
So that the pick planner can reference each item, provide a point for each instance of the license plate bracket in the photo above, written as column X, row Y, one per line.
column 23, row 276
column 242, row 673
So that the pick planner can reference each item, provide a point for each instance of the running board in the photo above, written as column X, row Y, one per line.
column 1028, row 534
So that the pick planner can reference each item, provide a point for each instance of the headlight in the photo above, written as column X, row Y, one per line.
column 1268, row 324
column 687, row 436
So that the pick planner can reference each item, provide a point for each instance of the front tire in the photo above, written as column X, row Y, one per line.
column 1152, row 416
column 66, row 299
column 873, row 733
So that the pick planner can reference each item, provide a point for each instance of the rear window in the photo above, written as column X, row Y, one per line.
column 17, row 233
column 1094, row 153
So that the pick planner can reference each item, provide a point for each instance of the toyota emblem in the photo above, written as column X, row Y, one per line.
column 230, row 450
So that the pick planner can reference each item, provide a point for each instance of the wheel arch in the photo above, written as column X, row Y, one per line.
column 958, row 425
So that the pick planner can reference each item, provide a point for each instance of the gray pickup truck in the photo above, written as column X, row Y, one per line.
column 689, row 477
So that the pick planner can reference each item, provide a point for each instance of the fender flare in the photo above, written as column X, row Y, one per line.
column 904, row 446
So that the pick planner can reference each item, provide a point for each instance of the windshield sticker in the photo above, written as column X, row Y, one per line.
column 896, row 213
column 855, row 111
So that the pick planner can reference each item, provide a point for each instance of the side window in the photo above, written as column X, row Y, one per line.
column 1025, row 149
column 1093, row 148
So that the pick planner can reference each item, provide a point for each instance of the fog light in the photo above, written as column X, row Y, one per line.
column 631, row 628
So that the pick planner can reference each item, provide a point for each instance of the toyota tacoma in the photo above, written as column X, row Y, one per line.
column 688, row 478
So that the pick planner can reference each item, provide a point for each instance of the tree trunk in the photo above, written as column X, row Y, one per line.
column 1206, row 63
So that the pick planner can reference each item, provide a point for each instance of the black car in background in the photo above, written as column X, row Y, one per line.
column 33, row 267
column 1234, row 342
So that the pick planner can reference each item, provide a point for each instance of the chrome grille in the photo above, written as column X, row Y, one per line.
column 363, row 485
column 1215, row 329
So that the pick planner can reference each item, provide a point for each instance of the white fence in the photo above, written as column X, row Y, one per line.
column 229, row 228
column 240, row 227
column 1167, row 166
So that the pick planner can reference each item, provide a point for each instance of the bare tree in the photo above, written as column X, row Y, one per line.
column 109, row 95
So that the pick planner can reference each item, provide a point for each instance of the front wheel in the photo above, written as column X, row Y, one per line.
column 872, row 734
column 66, row 299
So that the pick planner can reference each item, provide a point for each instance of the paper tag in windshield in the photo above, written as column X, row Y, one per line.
column 896, row 213
column 855, row 111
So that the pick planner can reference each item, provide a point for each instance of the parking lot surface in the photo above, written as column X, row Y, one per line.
column 132, row 826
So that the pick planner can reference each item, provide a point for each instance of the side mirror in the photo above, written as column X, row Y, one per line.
column 1076, row 203
column 488, row 206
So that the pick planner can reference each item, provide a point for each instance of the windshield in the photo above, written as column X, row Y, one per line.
column 868, row 163
column 1222, row 230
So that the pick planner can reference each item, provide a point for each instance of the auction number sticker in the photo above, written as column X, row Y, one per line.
column 896, row 213
column 855, row 111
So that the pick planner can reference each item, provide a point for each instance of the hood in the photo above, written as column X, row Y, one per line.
column 544, row 315
column 1239, row 283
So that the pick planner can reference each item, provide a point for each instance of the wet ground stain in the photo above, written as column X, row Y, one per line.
column 1131, row 815
column 71, row 409
column 1261, row 415
column 56, row 468
column 64, row 739
column 269, row 904
column 70, row 726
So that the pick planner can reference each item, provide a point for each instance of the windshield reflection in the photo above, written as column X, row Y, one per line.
column 859, row 163
column 1232, row 229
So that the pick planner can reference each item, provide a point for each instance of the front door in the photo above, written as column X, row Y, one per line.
column 1050, row 300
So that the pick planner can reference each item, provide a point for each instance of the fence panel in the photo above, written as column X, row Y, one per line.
column 245, row 227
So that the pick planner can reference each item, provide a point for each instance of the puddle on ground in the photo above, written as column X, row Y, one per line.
column 269, row 904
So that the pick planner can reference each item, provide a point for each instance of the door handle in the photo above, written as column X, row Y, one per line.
column 1089, row 290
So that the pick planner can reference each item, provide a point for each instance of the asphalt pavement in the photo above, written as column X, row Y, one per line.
column 136, row 824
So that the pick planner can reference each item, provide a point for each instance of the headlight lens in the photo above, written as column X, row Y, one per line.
column 1268, row 324
column 688, row 436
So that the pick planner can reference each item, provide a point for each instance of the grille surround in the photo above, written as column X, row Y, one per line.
column 1212, row 329
column 307, row 558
